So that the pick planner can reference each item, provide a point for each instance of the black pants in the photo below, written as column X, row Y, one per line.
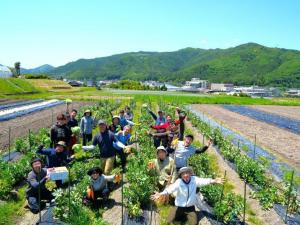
column 33, row 201
column 86, row 138
column 180, row 213
column 158, row 141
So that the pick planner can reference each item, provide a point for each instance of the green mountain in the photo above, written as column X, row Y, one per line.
column 242, row 65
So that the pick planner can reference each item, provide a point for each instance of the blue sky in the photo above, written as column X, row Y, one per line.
column 56, row 32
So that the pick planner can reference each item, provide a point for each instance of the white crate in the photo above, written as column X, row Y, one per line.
column 57, row 173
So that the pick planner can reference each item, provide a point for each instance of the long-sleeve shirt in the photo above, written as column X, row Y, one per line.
column 100, row 183
column 186, row 194
column 182, row 153
column 158, row 120
column 128, row 116
column 72, row 123
column 35, row 181
column 86, row 125
column 123, row 138
column 124, row 122
column 105, row 143
column 165, row 170
column 60, row 133
column 54, row 159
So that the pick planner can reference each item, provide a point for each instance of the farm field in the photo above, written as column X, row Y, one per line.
column 280, row 142
column 50, row 85
column 269, row 118
column 34, row 121
column 292, row 112
column 139, row 179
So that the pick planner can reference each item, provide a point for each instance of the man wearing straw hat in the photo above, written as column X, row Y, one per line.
column 185, row 188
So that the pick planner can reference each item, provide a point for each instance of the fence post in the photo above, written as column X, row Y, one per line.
column 221, row 197
column 122, row 190
column 254, row 149
column 9, row 142
column 244, row 213
column 69, row 192
column 29, row 140
column 289, row 197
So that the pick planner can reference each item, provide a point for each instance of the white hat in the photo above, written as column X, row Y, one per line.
column 184, row 170
column 161, row 148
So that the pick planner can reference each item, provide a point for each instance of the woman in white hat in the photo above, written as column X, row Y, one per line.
column 186, row 197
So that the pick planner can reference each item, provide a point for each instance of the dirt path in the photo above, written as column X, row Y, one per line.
column 282, row 143
column 266, row 217
column 292, row 112
column 46, row 218
column 114, row 215
column 34, row 122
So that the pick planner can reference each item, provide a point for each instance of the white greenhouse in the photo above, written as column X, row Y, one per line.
column 5, row 72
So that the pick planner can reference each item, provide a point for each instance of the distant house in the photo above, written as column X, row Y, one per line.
column 172, row 87
column 293, row 93
column 75, row 83
column 195, row 85
column 254, row 91
column 5, row 72
column 152, row 83
column 219, row 87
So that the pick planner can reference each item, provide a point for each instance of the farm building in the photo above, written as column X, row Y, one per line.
column 221, row 87
column 195, row 85
column 5, row 72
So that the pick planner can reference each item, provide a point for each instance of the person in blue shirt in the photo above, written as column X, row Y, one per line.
column 123, row 137
column 57, row 156
column 160, row 118
column 123, row 120
column 86, row 127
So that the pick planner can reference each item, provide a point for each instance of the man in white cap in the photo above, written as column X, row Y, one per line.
column 185, row 188
column 184, row 149
column 164, row 167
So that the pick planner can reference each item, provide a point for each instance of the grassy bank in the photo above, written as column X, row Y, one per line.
column 16, row 86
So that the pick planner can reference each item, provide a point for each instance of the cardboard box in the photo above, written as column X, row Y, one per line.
column 58, row 173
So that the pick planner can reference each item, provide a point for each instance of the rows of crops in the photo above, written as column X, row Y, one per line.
column 14, row 173
column 279, row 121
column 227, row 206
column 267, row 190
column 276, row 167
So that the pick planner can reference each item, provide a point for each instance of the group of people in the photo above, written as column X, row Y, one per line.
column 112, row 139
column 173, row 150
column 175, row 178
